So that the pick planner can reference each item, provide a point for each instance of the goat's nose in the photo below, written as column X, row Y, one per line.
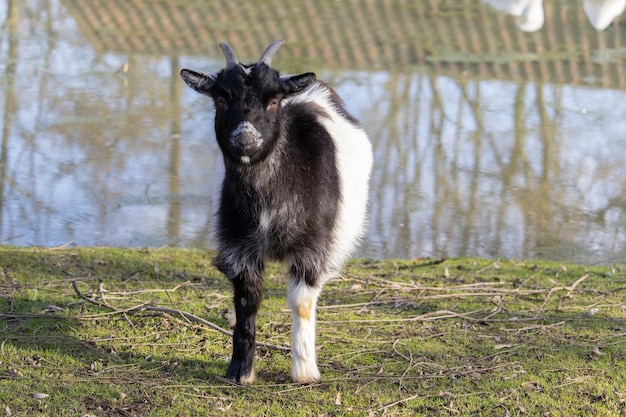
column 246, row 139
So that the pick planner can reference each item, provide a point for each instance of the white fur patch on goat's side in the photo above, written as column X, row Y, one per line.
column 317, row 93
column 303, row 303
column 354, row 164
column 354, row 160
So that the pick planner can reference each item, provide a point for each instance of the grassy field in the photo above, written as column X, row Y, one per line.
column 115, row 332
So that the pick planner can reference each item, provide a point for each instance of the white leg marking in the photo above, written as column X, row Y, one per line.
column 303, row 303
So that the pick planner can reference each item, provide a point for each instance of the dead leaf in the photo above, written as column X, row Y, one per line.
column 531, row 386
column 50, row 308
column 595, row 352
column 502, row 346
column 338, row 398
column 40, row 396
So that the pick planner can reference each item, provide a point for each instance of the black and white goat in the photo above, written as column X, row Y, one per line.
column 295, row 188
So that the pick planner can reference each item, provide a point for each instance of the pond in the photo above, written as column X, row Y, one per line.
column 499, row 130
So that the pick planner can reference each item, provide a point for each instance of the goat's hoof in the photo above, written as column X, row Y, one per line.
column 305, row 376
column 248, row 379
column 306, row 381
column 240, row 375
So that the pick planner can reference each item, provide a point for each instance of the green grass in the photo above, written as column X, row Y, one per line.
column 395, row 338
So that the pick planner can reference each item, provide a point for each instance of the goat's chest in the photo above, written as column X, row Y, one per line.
column 278, row 227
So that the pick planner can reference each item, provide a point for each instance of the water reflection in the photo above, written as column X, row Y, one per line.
column 486, row 143
column 502, row 169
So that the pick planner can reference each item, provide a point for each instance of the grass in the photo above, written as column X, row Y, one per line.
column 395, row 338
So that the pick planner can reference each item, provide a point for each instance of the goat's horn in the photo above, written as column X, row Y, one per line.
column 229, row 54
column 268, row 54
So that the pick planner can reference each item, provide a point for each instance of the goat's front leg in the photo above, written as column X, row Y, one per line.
column 303, row 302
column 247, row 299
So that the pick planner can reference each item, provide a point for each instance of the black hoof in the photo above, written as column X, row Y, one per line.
column 238, row 372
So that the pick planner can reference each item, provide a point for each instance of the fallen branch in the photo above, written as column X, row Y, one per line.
column 171, row 311
column 432, row 316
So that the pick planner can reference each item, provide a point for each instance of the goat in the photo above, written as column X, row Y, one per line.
column 295, row 189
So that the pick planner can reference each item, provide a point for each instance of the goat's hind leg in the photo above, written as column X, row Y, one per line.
column 303, row 303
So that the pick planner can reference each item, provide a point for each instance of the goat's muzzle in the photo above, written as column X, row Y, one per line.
column 248, row 143
column 246, row 139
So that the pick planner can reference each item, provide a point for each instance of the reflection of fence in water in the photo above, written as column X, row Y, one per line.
column 449, row 36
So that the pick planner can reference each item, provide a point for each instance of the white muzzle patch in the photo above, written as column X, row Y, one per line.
column 247, row 128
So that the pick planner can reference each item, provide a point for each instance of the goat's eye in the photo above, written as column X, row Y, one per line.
column 220, row 102
column 273, row 104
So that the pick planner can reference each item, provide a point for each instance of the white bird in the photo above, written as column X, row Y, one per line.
column 602, row 12
column 530, row 13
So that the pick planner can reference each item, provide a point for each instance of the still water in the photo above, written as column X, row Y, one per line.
column 493, row 136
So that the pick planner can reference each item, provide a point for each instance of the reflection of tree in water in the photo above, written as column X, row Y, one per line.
column 9, row 100
column 100, row 131
column 455, row 178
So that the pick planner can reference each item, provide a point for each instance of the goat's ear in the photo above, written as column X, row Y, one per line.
column 200, row 82
column 294, row 83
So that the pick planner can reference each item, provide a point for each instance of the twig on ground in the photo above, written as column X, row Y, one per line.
column 568, row 288
column 432, row 316
column 536, row 327
column 63, row 246
column 171, row 311
column 393, row 404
